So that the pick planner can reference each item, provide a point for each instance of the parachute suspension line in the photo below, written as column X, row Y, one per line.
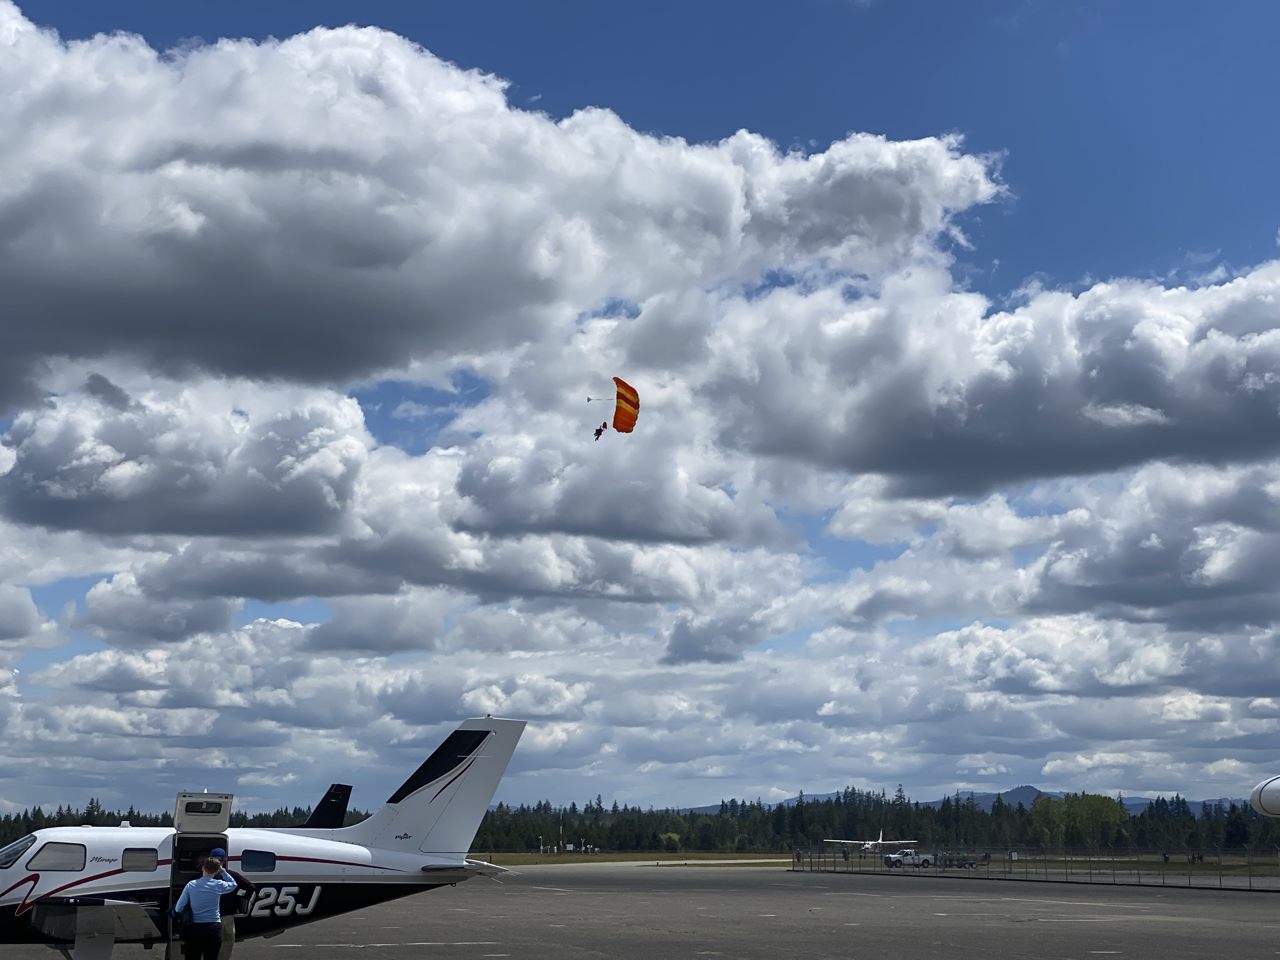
column 603, row 399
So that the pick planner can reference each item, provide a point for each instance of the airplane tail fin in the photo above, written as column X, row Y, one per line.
column 329, row 813
column 439, row 808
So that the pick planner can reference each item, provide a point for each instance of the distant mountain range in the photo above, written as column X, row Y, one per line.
column 1026, row 795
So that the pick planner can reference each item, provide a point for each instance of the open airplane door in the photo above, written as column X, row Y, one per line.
column 200, row 822
column 203, row 814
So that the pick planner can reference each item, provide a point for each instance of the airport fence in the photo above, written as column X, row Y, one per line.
column 1217, row 869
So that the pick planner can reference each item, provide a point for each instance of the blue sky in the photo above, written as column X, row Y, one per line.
column 292, row 395
column 1139, row 137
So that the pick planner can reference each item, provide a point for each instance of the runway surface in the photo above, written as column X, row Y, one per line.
column 635, row 912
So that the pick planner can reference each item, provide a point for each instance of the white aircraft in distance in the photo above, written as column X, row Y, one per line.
column 1265, row 798
column 869, row 846
column 89, row 888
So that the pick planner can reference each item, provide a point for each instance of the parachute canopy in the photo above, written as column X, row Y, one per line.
column 627, row 408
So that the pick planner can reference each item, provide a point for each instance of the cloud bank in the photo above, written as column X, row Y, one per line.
column 873, row 527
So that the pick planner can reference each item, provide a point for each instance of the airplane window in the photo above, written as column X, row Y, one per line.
column 203, row 808
column 10, row 854
column 257, row 861
column 58, row 856
column 140, row 859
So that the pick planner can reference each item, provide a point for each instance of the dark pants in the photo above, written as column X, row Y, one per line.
column 203, row 940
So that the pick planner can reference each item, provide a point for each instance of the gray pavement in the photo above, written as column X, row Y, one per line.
column 636, row 912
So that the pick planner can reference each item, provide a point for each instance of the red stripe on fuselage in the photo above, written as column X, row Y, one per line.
column 340, row 863
column 24, row 906
column 447, row 785
column 34, row 879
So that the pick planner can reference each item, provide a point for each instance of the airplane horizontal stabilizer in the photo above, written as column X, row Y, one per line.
column 457, row 872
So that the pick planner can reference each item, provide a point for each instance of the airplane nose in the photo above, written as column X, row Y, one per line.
column 1265, row 798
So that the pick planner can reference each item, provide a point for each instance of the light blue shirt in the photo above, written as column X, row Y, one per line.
column 204, row 894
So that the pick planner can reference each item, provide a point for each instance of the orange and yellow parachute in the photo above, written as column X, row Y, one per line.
column 627, row 408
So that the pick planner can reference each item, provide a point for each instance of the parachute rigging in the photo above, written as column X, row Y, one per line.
column 626, row 408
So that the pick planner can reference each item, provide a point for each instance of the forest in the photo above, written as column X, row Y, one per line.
column 1079, row 820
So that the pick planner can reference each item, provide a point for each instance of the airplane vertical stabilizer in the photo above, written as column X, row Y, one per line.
column 439, row 808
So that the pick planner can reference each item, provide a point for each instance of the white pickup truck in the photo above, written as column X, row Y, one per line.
column 907, row 858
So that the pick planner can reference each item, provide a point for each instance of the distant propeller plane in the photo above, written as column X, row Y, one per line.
column 869, row 846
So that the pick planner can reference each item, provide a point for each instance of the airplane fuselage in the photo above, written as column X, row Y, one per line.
column 93, row 887
column 299, row 877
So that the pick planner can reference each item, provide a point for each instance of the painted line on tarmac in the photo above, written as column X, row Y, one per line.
column 1070, row 903
column 878, row 896
column 1120, row 919
column 1087, row 919
column 419, row 943
column 1081, row 903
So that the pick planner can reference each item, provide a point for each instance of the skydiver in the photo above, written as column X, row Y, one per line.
column 601, row 429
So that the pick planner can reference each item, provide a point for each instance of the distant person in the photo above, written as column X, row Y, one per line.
column 203, row 935
column 601, row 429
column 230, row 903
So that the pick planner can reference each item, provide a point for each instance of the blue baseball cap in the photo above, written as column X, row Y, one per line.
column 219, row 853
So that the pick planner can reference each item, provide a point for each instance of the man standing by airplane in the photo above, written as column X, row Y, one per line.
column 230, row 902
column 203, row 934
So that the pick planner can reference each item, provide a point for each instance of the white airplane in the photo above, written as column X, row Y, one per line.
column 85, row 889
column 869, row 846
column 1265, row 798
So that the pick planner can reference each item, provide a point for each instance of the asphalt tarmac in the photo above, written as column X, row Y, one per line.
column 633, row 912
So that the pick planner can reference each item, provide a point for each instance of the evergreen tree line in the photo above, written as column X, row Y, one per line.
column 751, row 826
column 16, row 825
column 1078, row 820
